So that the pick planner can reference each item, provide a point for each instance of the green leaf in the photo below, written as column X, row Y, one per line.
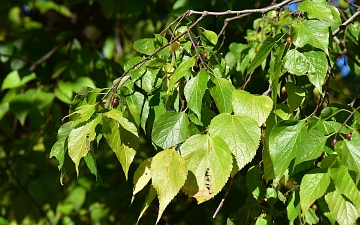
column 312, row 32
column 149, row 198
column 316, row 9
column 91, row 164
column 79, row 140
column 314, row 143
column 343, row 211
column 312, row 63
column 194, row 91
column 293, row 207
column 169, row 129
column 311, row 217
column 85, row 113
column 296, row 96
column 241, row 133
column 4, row 108
column 142, row 176
column 123, row 139
column 221, row 93
column 145, row 46
column 58, row 150
column 209, row 162
column 263, row 52
column 180, row 72
column 168, row 176
column 257, row 107
column 13, row 80
column 345, row 184
column 208, row 38
column 349, row 152
column 313, row 186
column 139, row 108
column 284, row 142
column 254, row 181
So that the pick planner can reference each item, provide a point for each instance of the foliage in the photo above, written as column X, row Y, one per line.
column 193, row 119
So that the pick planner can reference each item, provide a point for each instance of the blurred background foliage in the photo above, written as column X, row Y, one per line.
column 49, row 49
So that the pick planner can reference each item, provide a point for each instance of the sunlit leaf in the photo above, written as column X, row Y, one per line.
column 79, row 140
column 209, row 162
column 343, row 211
column 312, row 63
column 313, row 186
column 221, row 92
column 257, row 107
column 142, row 176
column 168, row 176
column 241, row 133
column 180, row 72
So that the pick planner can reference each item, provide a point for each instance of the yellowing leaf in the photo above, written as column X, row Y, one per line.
column 209, row 162
column 79, row 140
column 142, row 176
column 168, row 176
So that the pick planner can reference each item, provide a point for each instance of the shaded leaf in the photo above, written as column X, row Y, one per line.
column 284, row 142
column 169, row 129
column 194, row 91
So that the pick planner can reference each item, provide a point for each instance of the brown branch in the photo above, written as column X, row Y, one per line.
column 225, row 197
column 231, row 12
column 346, row 23
column 46, row 56
column 24, row 190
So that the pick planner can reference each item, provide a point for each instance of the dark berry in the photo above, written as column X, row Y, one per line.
column 263, row 203
column 320, row 158
column 314, row 207
column 196, row 68
column 288, row 40
column 197, row 59
column 348, row 136
column 115, row 103
column 333, row 142
column 204, row 56
column 283, row 90
column 193, row 45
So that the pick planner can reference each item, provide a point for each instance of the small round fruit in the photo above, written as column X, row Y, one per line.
column 314, row 207
column 283, row 90
column 197, row 59
column 320, row 158
column 196, row 68
column 333, row 142
column 115, row 103
column 288, row 40
column 204, row 56
column 263, row 203
column 348, row 136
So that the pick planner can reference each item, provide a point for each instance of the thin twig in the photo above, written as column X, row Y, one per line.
column 46, row 56
column 231, row 12
column 225, row 197
column 347, row 119
column 346, row 23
